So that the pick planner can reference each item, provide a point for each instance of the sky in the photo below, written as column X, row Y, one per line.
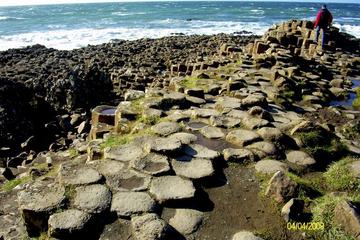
column 37, row 2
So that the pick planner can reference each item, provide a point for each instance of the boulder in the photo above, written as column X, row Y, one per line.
column 245, row 235
column 186, row 221
column 171, row 188
column 263, row 149
column 300, row 158
column 281, row 187
column 149, row 227
column 293, row 210
column 354, row 168
column 347, row 217
column 126, row 204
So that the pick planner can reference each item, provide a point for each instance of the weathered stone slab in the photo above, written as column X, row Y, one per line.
column 242, row 137
column 128, row 180
column 194, row 169
column 212, row 132
column 36, row 205
column 152, row 164
column 69, row 175
column 124, row 153
column 199, row 151
column 94, row 198
column 166, row 128
column 238, row 155
column 68, row 224
column 164, row 145
column 270, row 166
column 126, row 204
column 171, row 188
column 184, row 138
column 263, row 149
column 300, row 158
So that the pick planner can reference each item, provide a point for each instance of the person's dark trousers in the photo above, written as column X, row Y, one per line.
column 318, row 28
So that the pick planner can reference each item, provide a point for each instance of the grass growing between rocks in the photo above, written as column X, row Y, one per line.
column 116, row 140
column 309, row 188
column 356, row 102
column 339, row 178
column 148, row 120
column 322, row 145
column 189, row 82
column 10, row 185
column 323, row 211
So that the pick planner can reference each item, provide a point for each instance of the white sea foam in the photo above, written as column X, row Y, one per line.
column 70, row 39
column 8, row 18
column 127, row 14
column 351, row 29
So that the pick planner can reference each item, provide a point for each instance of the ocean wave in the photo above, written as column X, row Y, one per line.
column 127, row 13
column 10, row 18
column 259, row 11
column 350, row 29
column 71, row 39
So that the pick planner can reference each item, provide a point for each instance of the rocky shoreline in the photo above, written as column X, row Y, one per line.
column 46, row 94
column 235, row 142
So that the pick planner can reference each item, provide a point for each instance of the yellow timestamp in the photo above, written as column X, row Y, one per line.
column 305, row 226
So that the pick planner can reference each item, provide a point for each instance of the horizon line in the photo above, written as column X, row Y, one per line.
column 140, row 1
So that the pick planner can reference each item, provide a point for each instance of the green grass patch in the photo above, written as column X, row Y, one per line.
column 323, row 211
column 308, row 187
column 339, row 178
column 352, row 130
column 70, row 192
column 189, row 82
column 73, row 152
column 148, row 120
column 10, row 185
column 322, row 145
column 356, row 102
column 117, row 140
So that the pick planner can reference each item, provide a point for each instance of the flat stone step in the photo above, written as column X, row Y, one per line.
column 171, row 188
column 126, row 204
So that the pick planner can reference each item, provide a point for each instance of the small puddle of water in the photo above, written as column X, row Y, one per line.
column 352, row 95
column 108, row 111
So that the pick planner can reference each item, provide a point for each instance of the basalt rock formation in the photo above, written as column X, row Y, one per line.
column 212, row 151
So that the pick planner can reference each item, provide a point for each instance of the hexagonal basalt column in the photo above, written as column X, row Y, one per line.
column 103, row 114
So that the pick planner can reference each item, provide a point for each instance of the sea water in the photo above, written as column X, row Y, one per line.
column 72, row 26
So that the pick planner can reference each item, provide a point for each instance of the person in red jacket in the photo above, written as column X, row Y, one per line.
column 323, row 21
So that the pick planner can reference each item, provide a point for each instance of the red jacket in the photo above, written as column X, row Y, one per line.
column 323, row 19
